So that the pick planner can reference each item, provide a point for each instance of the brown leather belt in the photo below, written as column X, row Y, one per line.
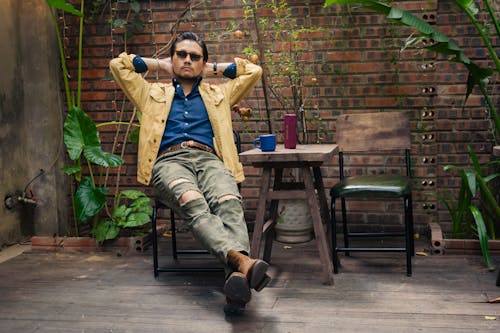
column 187, row 144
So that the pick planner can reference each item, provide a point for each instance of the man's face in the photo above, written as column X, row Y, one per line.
column 184, row 66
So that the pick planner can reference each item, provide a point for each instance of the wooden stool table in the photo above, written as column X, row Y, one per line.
column 308, row 160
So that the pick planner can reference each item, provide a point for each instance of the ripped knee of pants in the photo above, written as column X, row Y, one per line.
column 185, row 190
column 227, row 197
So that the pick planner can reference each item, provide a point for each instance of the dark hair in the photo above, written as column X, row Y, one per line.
column 191, row 36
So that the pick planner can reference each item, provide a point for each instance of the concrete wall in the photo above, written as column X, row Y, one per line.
column 31, row 117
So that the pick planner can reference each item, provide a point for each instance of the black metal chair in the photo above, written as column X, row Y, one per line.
column 374, row 134
column 175, row 250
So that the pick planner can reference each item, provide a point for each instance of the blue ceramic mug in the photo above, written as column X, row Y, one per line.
column 266, row 142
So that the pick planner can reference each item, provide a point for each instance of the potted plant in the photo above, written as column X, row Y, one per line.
column 476, row 203
column 131, row 208
column 278, row 41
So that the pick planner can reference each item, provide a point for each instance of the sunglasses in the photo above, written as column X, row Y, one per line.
column 183, row 55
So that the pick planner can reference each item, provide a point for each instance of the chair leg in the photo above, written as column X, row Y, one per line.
column 345, row 229
column 333, row 228
column 174, row 234
column 498, row 279
column 408, row 236
column 155, row 242
column 412, row 231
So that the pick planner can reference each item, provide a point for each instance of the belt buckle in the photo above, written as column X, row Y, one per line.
column 184, row 144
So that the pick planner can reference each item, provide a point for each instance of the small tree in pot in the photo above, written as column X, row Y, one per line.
column 281, row 45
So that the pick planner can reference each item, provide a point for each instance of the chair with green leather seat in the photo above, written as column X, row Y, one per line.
column 382, row 137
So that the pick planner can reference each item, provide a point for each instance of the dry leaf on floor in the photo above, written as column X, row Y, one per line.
column 490, row 318
column 495, row 300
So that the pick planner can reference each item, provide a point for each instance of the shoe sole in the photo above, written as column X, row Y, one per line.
column 263, row 283
column 237, row 289
column 232, row 309
column 257, row 276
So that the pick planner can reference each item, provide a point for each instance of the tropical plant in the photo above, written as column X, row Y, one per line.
column 133, row 211
column 475, row 203
column 442, row 44
column 83, row 143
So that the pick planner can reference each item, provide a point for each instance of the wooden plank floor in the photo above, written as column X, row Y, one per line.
column 107, row 292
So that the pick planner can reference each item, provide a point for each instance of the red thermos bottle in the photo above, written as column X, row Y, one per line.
column 290, row 131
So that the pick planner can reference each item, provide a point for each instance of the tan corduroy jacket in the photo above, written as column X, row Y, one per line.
column 155, row 99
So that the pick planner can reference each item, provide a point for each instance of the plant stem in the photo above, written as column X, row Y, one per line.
column 64, row 68
column 481, row 31
column 109, row 123
column 77, row 233
column 491, row 50
column 265, row 73
column 493, row 111
column 492, row 15
column 80, row 47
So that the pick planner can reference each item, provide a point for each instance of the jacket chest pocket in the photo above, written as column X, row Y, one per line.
column 157, row 94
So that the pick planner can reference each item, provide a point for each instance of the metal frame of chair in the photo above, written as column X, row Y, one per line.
column 175, row 250
column 395, row 131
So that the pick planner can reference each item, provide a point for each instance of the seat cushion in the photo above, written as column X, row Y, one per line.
column 373, row 186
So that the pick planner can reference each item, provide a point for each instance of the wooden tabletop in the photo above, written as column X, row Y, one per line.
column 302, row 153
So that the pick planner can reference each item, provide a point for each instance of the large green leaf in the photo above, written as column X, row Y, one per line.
column 81, row 135
column 482, row 235
column 97, row 156
column 468, row 5
column 63, row 5
column 469, row 176
column 74, row 170
column 142, row 205
column 119, row 23
column 137, row 219
column 104, row 230
column 135, row 6
column 89, row 200
column 71, row 170
column 132, row 194
column 138, row 211
column 79, row 132
column 477, row 76
column 120, row 213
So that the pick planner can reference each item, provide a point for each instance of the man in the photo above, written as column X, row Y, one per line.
column 187, row 150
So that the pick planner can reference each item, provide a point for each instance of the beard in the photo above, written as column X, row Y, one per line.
column 186, row 76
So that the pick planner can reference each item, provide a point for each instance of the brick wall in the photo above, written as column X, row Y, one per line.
column 357, row 63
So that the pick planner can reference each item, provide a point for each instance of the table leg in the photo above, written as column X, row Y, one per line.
column 323, row 248
column 318, row 185
column 259, row 216
column 273, row 216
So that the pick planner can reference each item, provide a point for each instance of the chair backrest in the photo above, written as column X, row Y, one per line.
column 373, row 131
column 237, row 140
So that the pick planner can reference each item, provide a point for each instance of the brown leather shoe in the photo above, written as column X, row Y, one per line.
column 233, row 308
column 236, row 288
column 255, row 270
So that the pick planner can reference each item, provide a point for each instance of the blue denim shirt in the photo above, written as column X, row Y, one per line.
column 188, row 117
